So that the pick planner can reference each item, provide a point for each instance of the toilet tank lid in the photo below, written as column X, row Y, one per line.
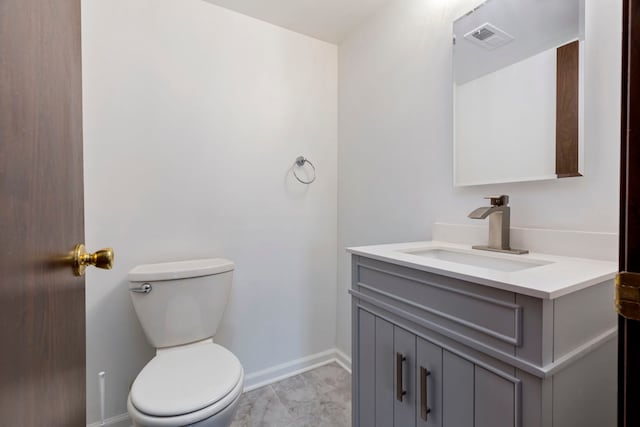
column 179, row 269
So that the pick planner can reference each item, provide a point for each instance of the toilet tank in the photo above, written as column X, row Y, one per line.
column 180, row 302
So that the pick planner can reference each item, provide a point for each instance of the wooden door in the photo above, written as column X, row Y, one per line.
column 42, row 312
column 629, row 330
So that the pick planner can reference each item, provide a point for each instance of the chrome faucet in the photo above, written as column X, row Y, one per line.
column 499, row 214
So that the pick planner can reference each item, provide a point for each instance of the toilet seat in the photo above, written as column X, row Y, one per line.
column 185, row 385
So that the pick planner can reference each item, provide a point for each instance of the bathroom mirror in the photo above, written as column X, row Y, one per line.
column 518, row 91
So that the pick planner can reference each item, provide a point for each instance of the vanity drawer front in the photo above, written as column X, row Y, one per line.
column 447, row 305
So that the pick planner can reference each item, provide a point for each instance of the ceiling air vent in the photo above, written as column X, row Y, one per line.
column 488, row 36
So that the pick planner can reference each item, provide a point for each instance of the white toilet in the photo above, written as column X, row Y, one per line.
column 191, row 380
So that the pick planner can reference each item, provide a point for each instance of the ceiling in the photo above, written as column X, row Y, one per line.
column 328, row 20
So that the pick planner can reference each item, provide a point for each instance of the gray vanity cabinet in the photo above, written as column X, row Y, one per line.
column 387, row 369
column 435, row 351
column 411, row 381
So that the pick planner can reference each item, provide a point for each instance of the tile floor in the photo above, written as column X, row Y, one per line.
column 317, row 398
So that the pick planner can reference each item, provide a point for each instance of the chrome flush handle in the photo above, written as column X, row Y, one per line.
column 144, row 289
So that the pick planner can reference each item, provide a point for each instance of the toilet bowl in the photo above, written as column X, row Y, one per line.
column 198, row 384
column 191, row 380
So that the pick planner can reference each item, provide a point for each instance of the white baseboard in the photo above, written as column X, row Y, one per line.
column 265, row 377
column 343, row 360
column 121, row 420
column 295, row 367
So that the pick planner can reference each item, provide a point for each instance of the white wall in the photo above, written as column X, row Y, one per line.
column 193, row 116
column 395, row 129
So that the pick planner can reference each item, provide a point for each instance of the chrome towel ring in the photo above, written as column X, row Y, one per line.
column 300, row 161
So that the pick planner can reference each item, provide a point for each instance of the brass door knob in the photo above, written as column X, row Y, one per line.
column 81, row 259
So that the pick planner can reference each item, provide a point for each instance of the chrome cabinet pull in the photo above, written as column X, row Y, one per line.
column 400, row 391
column 424, row 406
column 144, row 289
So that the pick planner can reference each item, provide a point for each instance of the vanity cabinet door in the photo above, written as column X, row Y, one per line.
column 457, row 391
column 429, row 384
column 495, row 399
column 404, row 343
column 384, row 364
column 375, row 391
column 473, row 396
column 402, row 380
column 364, row 396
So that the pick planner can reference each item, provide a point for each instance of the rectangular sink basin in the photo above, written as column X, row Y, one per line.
column 478, row 259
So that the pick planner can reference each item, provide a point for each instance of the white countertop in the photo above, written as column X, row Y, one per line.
column 561, row 276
